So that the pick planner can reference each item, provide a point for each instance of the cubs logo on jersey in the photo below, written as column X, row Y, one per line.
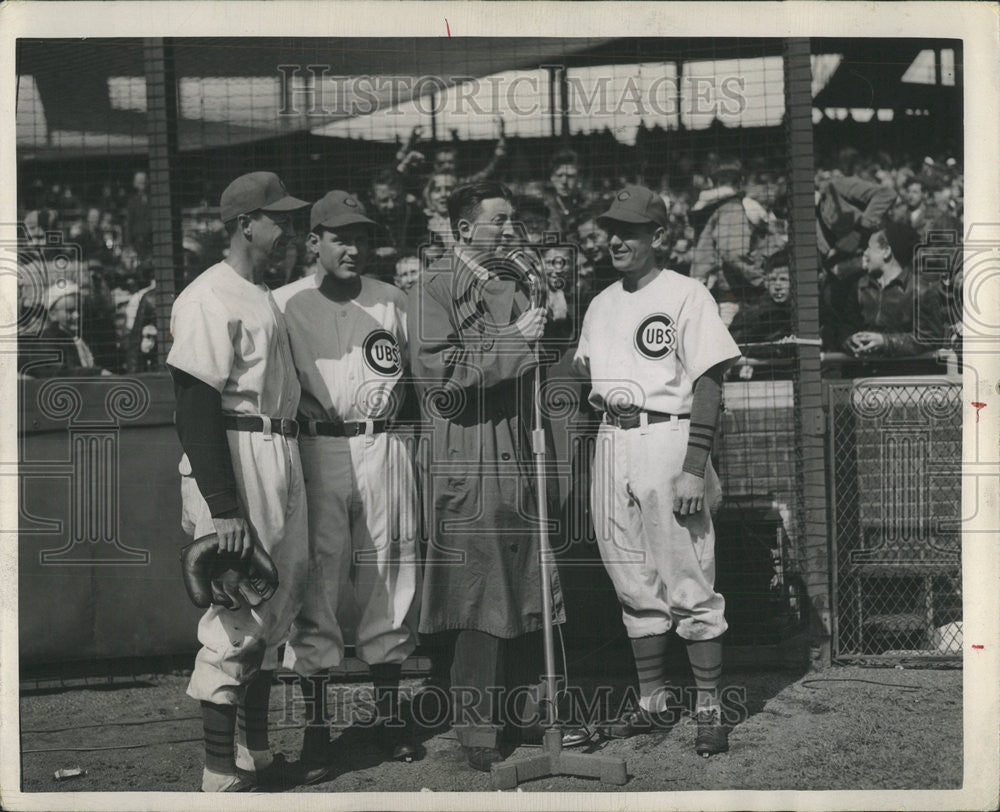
column 381, row 353
column 655, row 336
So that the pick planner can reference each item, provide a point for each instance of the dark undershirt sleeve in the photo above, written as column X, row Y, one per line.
column 704, row 419
column 203, row 438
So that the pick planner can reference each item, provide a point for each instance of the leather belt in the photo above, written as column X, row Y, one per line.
column 284, row 426
column 633, row 420
column 349, row 428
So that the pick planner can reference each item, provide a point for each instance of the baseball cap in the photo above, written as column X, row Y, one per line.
column 256, row 191
column 636, row 204
column 337, row 208
column 903, row 241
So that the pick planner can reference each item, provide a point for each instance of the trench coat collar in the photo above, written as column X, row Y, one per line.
column 470, row 289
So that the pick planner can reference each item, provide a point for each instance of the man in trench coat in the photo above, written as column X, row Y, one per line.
column 472, row 350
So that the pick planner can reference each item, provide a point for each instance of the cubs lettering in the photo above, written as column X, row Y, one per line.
column 654, row 339
column 381, row 353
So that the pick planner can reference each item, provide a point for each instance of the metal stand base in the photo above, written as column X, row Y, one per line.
column 553, row 760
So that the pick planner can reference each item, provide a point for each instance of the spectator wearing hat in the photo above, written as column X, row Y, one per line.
column 887, row 297
column 728, row 257
column 58, row 350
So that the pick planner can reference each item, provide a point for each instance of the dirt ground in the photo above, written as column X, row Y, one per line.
column 843, row 728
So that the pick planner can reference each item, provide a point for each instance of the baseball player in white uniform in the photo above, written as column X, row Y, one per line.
column 655, row 350
column 348, row 336
column 241, row 478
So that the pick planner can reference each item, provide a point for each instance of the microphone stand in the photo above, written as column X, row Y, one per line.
column 553, row 760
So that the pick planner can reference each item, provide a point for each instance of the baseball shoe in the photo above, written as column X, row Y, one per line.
column 217, row 782
column 273, row 777
column 396, row 739
column 314, row 765
column 712, row 735
column 482, row 758
column 635, row 722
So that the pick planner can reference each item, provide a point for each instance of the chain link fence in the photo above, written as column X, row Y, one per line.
column 895, row 456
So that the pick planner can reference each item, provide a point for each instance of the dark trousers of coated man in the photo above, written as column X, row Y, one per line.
column 494, row 682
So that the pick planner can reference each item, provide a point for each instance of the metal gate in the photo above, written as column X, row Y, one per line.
column 895, row 454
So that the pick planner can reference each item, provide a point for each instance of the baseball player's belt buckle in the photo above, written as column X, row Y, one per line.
column 289, row 427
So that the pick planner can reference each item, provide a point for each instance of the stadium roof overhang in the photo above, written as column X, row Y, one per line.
column 71, row 78
column 871, row 75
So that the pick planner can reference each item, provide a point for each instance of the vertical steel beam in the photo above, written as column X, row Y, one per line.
column 161, row 126
column 810, row 424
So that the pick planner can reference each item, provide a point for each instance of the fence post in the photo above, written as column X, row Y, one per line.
column 161, row 124
column 810, row 423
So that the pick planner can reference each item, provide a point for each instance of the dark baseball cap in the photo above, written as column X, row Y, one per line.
column 338, row 208
column 256, row 191
column 636, row 204
column 903, row 240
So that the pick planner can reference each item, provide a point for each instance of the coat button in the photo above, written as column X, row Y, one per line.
column 487, row 344
column 513, row 548
column 505, row 456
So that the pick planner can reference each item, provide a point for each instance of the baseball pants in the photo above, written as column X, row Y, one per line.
column 662, row 565
column 236, row 645
column 363, row 565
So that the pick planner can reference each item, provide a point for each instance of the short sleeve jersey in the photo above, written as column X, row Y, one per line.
column 349, row 355
column 229, row 333
column 646, row 349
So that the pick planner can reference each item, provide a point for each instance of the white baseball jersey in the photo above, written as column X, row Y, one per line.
column 228, row 333
column 363, row 565
column 349, row 354
column 647, row 348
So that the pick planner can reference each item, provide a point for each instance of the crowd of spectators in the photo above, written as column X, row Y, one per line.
column 728, row 228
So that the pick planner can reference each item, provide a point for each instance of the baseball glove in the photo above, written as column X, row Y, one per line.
column 211, row 576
